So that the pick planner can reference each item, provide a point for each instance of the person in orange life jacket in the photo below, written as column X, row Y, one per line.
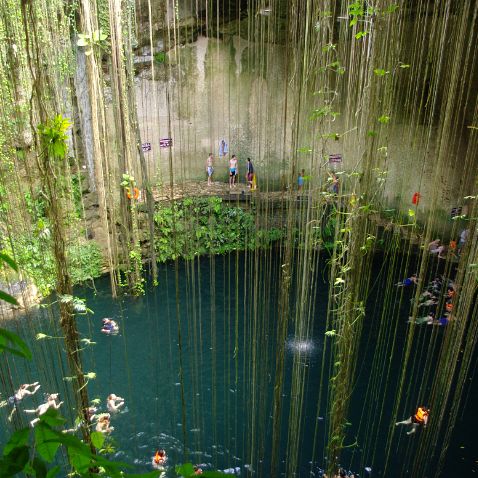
column 416, row 198
column 420, row 417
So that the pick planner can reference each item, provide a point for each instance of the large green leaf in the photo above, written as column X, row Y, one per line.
column 52, row 418
column 8, row 298
column 20, row 349
column 53, row 472
column 6, row 258
column 40, row 468
column 14, row 462
column 18, row 438
column 46, row 444
column 97, row 438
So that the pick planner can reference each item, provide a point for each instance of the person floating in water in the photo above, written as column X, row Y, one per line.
column 159, row 459
column 114, row 403
column 39, row 411
column 413, row 279
column 110, row 327
column 420, row 417
column 20, row 394
column 23, row 392
column 103, row 423
column 197, row 470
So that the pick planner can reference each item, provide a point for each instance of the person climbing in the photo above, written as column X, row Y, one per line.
column 40, row 410
column 159, row 459
column 420, row 417
column 233, row 171
column 114, row 403
column 249, row 172
column 210, row 168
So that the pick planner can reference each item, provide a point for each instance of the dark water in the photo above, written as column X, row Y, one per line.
column 227, row 324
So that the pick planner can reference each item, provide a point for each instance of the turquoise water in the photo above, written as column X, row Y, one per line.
column 220, row 307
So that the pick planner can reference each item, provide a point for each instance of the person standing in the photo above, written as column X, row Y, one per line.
column 300, row 180
column 249, row 172
column 233, row 171
column 210, row 168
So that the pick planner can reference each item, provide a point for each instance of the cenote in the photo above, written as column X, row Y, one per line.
column 214, row 393
column 276, row 203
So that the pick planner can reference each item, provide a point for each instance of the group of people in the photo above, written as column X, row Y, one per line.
column 442, row 250
column 233, row 172
column 437, row 300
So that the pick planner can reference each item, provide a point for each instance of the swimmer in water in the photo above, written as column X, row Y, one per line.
column 197, row 470
column 110, row 327
column 103, row 423
column 159, row 459
column 420, row 417
column 413, row 279
column 39, row 411
column 20, row 394
column 114, row 403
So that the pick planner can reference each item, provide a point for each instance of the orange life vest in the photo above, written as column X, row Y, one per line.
column 416, row 198
column 420, row 415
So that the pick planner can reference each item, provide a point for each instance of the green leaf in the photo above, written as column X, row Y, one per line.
column 18, row 438
column 403, row 65
column 40, row 468
column 46, row 445
column 97, row 438
column 361, row 34
column 411, row 212
column 353, row 22
column 53, row 471
column 186, row 470
column 214, row 474
column 384, row 119
column 380, row 72
column 6, row 258
column 21, row 347
column 14, row 462
column 79, row 460
column 52, row 418
column 8, row 298
column 82, row 41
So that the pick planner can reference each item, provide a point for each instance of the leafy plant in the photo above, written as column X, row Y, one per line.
column 92, row 40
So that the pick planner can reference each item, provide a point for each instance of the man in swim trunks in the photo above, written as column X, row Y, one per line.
column 209, row 168
column 233, row 171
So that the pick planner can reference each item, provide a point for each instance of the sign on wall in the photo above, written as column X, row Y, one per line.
column 165, row 142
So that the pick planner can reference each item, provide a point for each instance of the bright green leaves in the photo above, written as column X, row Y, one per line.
column 12, row 343
column 53, row 136
column 79, row 305
column 127, row 180
column 381, row 72
column 384, row 119
column 324, row 111
column 411, row 213
column 98, row 439
column 160, row 57
column 46, row 444
column 18, row 438
column 361, row 34
column 95, row 39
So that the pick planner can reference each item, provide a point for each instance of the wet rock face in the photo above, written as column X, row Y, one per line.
column 26, row 294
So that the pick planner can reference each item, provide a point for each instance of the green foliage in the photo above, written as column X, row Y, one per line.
column 34, row 257
column 380, row 72
column 92, row 40
column 160, row 57
column 384, row 119
column 186, row 470
column 53, row 136
column 197, row 226
column 5, row 258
